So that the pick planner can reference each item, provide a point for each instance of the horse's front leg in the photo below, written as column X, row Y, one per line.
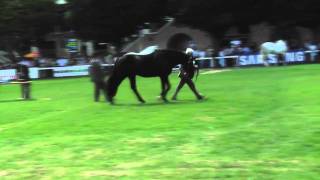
column 165, row 84
column 134, row 88
column 281, row 59
column 264, row 58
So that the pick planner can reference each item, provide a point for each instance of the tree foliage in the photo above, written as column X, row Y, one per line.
column 23, row 22
column 215, row 15
column 109, row 20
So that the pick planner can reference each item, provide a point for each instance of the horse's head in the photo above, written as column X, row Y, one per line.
column 280, row 41
column 111, row 89
column 114, row 80
column 281, row 46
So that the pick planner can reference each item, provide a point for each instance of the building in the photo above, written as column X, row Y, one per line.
column 172, row 36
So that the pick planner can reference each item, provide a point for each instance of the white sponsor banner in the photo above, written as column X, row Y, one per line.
column 70, row 71
column 298, row 56
column 7, row 75
column 34, row 73
column 67, row 71
column 11, row 74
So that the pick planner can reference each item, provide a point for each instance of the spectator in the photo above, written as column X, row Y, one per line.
column 312, row 47
column 44, row 62
column 97, row 77
column 246, row 50
column 24, row 79
column 222, row 53
column 62, row 62
column 210, row 53
column 81, row 60
column 26, row 62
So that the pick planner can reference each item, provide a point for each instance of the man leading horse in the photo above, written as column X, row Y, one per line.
column 186, row 74
column 156, row 64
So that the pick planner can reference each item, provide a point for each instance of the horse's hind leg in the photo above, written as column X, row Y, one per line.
column 281, row 59
column 165, row 88
column 134, row 88
column 264, row 58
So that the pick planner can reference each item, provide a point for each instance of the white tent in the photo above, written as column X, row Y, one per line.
column 3, row 58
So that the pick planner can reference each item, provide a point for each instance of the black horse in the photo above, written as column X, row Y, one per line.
column 156, row 64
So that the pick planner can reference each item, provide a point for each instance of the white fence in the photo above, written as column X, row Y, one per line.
column 35, row 72
column 83, row 70
column 7, row 74
column 256, row 59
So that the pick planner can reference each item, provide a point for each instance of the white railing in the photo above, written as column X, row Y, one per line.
column 236, row 57
column 83, row 70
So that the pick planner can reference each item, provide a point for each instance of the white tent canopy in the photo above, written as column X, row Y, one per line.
column 3, row 57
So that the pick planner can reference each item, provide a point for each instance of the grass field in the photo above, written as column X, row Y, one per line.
column 257, row 123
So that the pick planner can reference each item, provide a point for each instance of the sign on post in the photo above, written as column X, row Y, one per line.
column 72, row 45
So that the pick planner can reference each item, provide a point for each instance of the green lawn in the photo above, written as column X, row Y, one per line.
column 257, row 123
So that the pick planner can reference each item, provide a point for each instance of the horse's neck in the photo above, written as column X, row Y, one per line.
column 176, row 57
column 281, row 43
column 279, row 46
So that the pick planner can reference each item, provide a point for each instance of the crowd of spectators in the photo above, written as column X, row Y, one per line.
column 58, row 62
column 237, row 48
column 233, row 48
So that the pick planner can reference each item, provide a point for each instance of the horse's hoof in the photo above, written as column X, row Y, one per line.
column 174, row 98
column 142, row 101
column 159, row 98
column 111, row 102
column 201, row 97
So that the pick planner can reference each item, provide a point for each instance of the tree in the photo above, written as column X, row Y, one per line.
column 216, row 16
column 23, row 22
column 109, row 20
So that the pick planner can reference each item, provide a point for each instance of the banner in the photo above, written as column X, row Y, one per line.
column 34, row 73
column 7, row 75
column 67, row 71
column 297, row 56
column 70, row 71
column 72, row 45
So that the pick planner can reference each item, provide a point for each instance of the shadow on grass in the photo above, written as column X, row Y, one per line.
column 160, row 103
column 16, row 100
